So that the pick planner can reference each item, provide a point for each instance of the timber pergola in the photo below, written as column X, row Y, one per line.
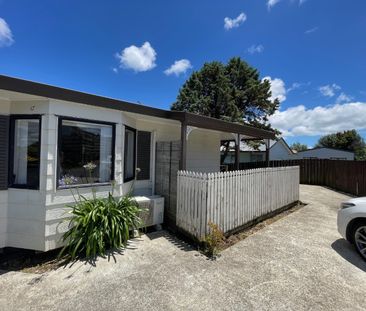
column 239, row 131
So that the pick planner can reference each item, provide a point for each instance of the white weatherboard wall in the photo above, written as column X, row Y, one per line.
column 4, row 110
column 3, row 217
column 280, row 152
column 203, row 151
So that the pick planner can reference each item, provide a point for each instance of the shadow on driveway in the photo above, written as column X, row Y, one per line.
column 177, row 240
column 349, row 253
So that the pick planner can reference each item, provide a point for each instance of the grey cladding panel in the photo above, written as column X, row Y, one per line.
column 167, row 165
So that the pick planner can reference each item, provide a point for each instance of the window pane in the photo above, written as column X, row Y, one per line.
column 26, row 153
column 143, row 155
column 85, row 153
column 129, row 161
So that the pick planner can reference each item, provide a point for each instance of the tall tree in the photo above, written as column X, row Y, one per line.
column 299, row 146
column 207, row 92
column 346, row 140
column 232, row 92
column 251, row 95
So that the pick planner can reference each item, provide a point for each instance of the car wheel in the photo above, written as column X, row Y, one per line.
column 359, row 238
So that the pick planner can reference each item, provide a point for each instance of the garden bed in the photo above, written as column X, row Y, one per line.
column 30, row 261
column 231, row 239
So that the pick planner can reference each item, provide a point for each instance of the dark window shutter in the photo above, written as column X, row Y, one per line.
column 4, row 151
column 143, row 154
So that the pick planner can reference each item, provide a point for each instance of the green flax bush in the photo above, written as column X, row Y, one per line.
column 99, row 224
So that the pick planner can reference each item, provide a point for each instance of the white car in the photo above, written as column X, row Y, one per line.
column 352, row 223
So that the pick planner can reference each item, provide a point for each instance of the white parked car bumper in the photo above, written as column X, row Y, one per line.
column 346, row 215
column 342, row 221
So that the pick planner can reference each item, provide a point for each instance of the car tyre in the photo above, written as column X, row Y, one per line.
column 359, row 237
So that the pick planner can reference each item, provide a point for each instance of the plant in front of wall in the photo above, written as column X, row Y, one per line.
column 100, row 224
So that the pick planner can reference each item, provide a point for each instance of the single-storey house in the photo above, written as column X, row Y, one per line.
column 50, row 135
column 280, row 150
column 326, row 153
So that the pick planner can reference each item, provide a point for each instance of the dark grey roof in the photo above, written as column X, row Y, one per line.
column 44, row 90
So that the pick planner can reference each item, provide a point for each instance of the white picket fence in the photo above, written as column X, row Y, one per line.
column 232, row 199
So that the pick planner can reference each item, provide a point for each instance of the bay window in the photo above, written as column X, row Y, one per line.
column 86, row 152
column 24, row 151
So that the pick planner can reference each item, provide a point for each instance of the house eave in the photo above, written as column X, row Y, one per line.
column 221, row 125
column 39, row 89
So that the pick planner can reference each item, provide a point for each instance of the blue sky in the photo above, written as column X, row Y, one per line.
column 313, row 51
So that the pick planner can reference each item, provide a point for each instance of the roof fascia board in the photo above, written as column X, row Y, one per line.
column 44, row 90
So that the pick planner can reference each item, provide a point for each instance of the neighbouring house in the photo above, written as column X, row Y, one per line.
column 48, row 134
column 326, row 153
column 280, row 150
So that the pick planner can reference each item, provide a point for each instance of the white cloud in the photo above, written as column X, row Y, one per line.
column 294, row 86
column 230, row 23
column 298, row 85
column 256, row 49
column 115, row 70
column 278, row 88
column 137, row 58
column 343, row 98
column 271, row 3
column 300, row 121
column 311, row 30
column 179, row 67
column 329, row 90
column 6, row 36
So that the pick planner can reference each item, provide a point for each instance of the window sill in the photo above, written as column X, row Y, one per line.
column 20, row 187
column 102, row 184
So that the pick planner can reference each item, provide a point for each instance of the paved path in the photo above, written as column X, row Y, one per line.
column 296, row 263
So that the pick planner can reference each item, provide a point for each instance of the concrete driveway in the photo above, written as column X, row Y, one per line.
column 297, row 263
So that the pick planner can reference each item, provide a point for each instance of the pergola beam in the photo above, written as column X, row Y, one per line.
column 183, row 150
column 267, row 151
column 237, row 152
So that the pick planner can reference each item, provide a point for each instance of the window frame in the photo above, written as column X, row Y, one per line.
column 12, row 120
column 126, row 127
column 59, row 142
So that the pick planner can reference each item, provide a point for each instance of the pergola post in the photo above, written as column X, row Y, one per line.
column 237, row 152
column 183, row 150
column 266, row 141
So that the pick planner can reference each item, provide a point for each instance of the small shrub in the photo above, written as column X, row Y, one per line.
column 213, row 240
column 99, row 224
